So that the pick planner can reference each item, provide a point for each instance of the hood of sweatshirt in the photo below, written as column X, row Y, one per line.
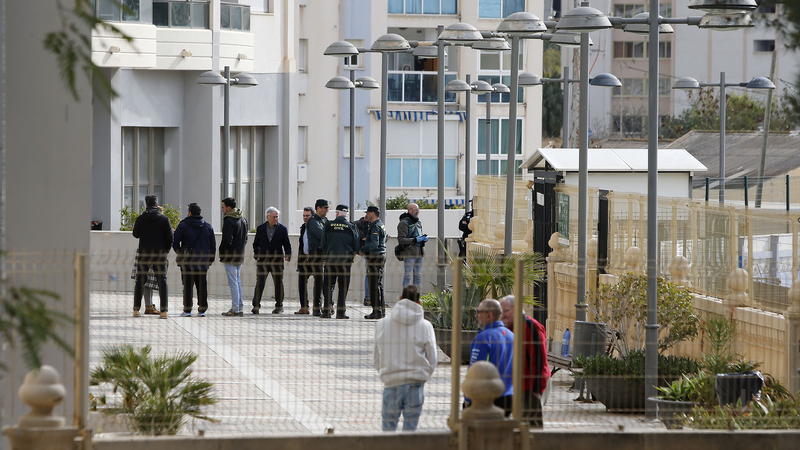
column 195, row 221
column 235, row 213
column 407, row 312
column 408, row 216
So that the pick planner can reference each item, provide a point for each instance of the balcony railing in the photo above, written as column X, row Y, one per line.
column 180, row 14
column 417, row 87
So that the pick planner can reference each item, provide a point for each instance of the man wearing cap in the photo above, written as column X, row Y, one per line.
column 374, row 251
column 314, row 228
column 340, row 242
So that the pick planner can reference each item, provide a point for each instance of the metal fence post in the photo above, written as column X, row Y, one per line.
column 707, row 183
column 81, row 360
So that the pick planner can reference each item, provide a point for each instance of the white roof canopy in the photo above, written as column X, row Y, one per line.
column 612, row 160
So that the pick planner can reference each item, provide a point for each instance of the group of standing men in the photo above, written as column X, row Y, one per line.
column 327, row 250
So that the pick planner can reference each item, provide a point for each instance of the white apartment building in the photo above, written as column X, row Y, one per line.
column 688, row 52
column 163, row 133
column 323, row 114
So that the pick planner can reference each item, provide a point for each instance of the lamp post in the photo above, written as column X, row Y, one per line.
column 479, row 87
column 213, row 78
column 688, row 83
column 352, row 84
column 727, row 20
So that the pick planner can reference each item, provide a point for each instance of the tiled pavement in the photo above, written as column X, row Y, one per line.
column 298, row 375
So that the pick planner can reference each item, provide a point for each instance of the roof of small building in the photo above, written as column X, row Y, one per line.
column 612, row 160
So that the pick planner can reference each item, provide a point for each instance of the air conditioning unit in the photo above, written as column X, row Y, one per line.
column 302, row 172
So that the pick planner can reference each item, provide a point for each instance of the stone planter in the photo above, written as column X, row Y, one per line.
column 618, row 394
column 109, row 423
column 670, row 412
column 443, row 341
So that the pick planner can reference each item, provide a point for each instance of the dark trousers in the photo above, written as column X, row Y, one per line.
column 317, row 263
column 194, row 279
column 160, row 270
column 273, row 265
column 337, row 272
column 532, row 410
column 375, row 264
column 304, row 272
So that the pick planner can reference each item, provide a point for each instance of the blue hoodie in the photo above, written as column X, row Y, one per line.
column 496, row 345
column 198, row 234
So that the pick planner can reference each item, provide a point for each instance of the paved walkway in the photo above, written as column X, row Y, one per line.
column 298, row 375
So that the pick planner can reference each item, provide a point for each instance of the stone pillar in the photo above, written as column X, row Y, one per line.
column 499, row 233
column 678, row 269
column 792, row 316
column 737, row 283
column 633, row 260
column 485, row 424
column 40, row 429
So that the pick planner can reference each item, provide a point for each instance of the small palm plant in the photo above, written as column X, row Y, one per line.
column 158, row 392
column 493, row 273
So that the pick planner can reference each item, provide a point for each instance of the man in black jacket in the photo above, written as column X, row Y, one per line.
column 374, row 250
column 231, row 251
column 340, row 242
column 155, row 238
column 270, row 248
column 304, row 266
column 195, row 245
column 314, row 228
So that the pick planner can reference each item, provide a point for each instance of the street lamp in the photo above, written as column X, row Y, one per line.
column 688, row 83
column 213, row 78
column 388, row 43
column 479, row 87
column 352, row 84
column 727, row 21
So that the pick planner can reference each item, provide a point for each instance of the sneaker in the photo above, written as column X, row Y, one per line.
column 151, row 309
column 231, row 313
column 277, row 311
column 202, row 314
column 163, row 315
column 367, row 302
column 136, row 314
column 316, row 312
column 325, row 315
column 186, row 314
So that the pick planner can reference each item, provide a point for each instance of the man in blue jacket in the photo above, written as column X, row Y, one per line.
column 495, row 343
column 195, row 245
column 270, row 248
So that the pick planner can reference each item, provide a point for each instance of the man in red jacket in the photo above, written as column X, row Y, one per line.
column 535, row 371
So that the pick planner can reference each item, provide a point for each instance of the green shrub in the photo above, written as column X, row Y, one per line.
column 632, row 366
column 129, row 215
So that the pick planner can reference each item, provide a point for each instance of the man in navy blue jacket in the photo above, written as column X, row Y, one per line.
column 495, row 343
column 270, row 248
column 195, row 245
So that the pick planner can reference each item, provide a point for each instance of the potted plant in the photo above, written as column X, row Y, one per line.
column 617, row 381
column 156, row 394
column 486, row 275
column 679, row 398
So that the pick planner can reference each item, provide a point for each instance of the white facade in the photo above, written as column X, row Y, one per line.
column 163, row 134
column 412, row 129
column 688, row 52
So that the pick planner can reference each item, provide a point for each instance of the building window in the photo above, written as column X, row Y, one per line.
column 636, row 50
column 359, row 144
column 764, row 45
column 419, row 172
column 413, row 79
column 628, row 11
column 180, row 14
column 302, row 56
column 637, row 87
column 423, row 6
column 354, row 61
column 245, row 164
column 260, row 6
column 499, row 146
column 499, row 8
column 234, row 17
column 117, row 10
column 495, row 67
column 142, row 165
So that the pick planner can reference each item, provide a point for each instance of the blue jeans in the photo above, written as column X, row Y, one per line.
column 412, row 265
column 366, row 287
column 406, row 398
column 235, row 283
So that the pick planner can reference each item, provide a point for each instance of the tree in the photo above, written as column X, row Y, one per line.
column 552, row 93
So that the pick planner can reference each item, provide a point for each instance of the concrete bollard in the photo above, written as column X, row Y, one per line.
column 40, row 429
column 484, row 423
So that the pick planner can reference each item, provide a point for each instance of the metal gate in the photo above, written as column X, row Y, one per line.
column 545, row 223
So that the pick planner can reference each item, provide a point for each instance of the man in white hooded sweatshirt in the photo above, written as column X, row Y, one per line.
column 405, row 357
